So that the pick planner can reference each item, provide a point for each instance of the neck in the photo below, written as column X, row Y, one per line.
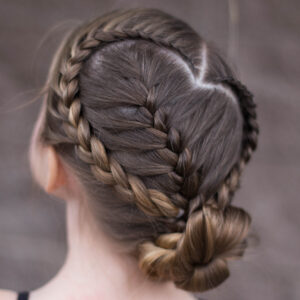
column 95, row 268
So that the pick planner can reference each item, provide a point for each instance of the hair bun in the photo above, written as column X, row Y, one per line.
column 196, row 260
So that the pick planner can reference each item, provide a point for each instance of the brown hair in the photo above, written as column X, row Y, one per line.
column 158, row 130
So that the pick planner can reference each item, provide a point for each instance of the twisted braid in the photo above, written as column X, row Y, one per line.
column 197, row 259
column 91, row 150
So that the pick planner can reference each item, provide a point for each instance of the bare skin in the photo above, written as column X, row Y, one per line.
column 95, row 267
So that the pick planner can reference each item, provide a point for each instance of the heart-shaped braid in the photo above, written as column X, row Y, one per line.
column 90, row 149
column 192, row 123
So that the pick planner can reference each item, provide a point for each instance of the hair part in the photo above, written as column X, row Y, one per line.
column 158, row 130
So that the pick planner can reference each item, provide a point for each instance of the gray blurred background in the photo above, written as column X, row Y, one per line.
column 262, row 42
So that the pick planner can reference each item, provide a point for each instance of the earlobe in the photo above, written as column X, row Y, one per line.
column 55, row 172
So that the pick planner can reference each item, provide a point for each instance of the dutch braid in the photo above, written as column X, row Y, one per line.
column 250, row 138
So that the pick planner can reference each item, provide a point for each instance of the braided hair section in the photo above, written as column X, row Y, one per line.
column 250, row 137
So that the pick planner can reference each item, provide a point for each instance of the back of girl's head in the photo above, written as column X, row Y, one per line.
column 158, row 130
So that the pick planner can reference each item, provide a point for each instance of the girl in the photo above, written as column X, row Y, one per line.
column 144, row 132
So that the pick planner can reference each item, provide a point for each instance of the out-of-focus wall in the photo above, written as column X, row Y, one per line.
column 32, row 234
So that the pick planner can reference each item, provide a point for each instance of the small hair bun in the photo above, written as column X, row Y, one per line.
column 196, row 260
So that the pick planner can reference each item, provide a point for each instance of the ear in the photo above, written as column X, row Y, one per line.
column 56, row 176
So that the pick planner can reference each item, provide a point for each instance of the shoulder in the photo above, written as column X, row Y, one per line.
column 8, row 295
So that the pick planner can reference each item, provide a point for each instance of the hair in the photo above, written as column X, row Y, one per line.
column 158, row 130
